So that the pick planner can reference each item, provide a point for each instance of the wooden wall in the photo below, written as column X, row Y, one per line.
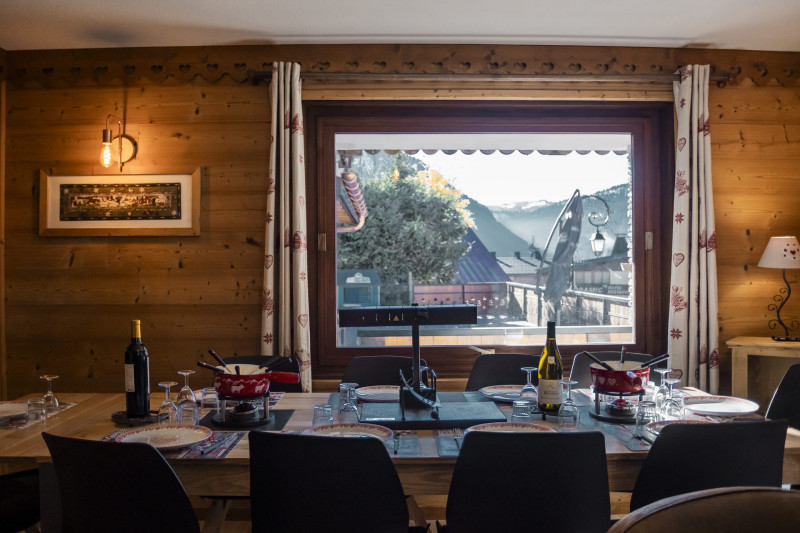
column 69, row 300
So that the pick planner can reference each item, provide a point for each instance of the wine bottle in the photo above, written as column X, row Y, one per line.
column 551, row 371
column 137, row 375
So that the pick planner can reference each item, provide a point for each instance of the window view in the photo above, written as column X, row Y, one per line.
column 528, row 227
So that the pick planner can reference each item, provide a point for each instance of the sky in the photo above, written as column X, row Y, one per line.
column 527, row 177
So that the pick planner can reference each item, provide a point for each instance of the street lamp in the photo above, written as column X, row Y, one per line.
column 598, row 220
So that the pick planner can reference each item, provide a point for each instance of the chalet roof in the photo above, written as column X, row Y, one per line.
column 516, row 266
column 478, row 265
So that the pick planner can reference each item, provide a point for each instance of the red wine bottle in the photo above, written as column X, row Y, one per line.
column 137, row 375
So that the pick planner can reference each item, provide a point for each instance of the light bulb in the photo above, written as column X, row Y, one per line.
column 105, row 156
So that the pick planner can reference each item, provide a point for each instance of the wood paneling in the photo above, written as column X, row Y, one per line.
column 68, row 300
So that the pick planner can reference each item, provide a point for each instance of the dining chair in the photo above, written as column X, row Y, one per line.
column 19, row 501
column 716, row 511
column 691, row 457
column 369, row 370
column 785, row 403
column 120, row 487
column 555, row 482
column 301, row 483
column 580, row 365
column 501, row 369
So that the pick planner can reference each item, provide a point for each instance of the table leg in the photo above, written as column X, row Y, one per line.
column 739, row 371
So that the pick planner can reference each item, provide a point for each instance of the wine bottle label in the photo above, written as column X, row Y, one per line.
column 550, row 391
column 130, row 383
column 551, row 360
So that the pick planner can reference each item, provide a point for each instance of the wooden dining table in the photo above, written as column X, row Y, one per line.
column 425, row 473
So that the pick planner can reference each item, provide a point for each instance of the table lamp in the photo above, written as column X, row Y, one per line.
column 783, row 253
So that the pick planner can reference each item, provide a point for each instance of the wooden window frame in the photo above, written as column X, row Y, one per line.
column 651, row 125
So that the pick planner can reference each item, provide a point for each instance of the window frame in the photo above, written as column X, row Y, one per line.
column 651, row 125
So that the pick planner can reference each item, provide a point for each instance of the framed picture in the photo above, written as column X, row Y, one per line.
column 124, row 205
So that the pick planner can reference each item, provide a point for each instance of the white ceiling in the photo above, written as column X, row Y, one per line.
column 730, row 24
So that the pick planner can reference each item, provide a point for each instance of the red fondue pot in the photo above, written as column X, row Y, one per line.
column 624, row 380
column 246, row 385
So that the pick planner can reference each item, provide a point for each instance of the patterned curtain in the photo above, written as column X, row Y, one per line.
column 285, row 294
column 693, row 331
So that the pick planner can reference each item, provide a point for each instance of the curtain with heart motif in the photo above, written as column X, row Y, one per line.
column 285, row 293
column 693, row 329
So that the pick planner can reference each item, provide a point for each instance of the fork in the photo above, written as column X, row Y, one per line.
column 458, row 434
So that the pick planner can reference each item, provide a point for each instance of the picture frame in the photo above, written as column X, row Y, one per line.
column 120, row 205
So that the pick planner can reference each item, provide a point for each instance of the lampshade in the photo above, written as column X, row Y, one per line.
column 781, row 252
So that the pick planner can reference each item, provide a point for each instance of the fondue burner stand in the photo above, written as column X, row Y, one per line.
column 620, row 410
column 252, row 411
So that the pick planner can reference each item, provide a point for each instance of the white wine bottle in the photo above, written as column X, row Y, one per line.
column 551, row 371
column 137, row 375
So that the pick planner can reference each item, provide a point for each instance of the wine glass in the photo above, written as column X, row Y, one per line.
column 673, row 406
column 186, row 393
column 529, row 391
column 50, row 400
column 662, row 392
column 168, row 412
column 348, row 412
column 568, row 414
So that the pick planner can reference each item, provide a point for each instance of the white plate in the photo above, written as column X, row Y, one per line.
column 502, row 393
column 167, row 437
column 720, row 405
column 351, row 430
column 512, row 427
column 379, row 393
column 656, row 427
column 9, row 410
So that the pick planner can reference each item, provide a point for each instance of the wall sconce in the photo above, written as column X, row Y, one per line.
column 125, row 149
column 783, row 253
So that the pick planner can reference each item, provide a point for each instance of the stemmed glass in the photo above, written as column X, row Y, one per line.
column 348, row 412
column 187, row 401
column 50, row 400
column 662, row 392
column 168, row 412
column 673, row 406
column 529, row 391
column 568, row 414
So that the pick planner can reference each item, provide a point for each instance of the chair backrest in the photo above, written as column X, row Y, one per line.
column 369, row 370
column 501, row 369
column 302, row 483
column 717, row 510
column 121, row 487
column 785, row 402
column 276, row 362
column 690, row 457
column 500, row 479
column 580, row 365
column 19, row 500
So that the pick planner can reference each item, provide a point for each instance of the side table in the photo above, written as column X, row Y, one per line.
column 743, row 347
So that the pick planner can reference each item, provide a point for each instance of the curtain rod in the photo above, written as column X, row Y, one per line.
column 256, row 76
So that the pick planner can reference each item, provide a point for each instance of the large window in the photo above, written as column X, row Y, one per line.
column 531, row 212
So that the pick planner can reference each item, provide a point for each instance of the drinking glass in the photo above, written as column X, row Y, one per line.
column 662, row 392
column 210, row 400
column 187, row 413
column 568, row 414
column 529, row 391
column 50, row 400
column 348, row 413
column 323, row 415
column 37, row 410
column 344, row 393
column 168, row 412
column 645, row 413
column 521, row 411
column 186, row 393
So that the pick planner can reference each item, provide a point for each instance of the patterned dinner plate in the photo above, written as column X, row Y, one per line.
column 9, row 410
column 502, row 393
column 512, row 427
column 720, row 405
column 351, row 430
column 379, row 393
column 167, row 438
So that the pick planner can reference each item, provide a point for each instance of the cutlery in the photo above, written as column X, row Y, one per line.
column 458, row 434
column 396, row 443
column 622, row 358
column 219, row 360
column 598, row 361
column 653, row 361
column 217, row 444
column 210, row 367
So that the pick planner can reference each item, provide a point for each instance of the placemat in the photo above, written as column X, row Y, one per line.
column 445, row 443
column 407, row 443
column 279, row 419
column 196, row 451
column 22, row 422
